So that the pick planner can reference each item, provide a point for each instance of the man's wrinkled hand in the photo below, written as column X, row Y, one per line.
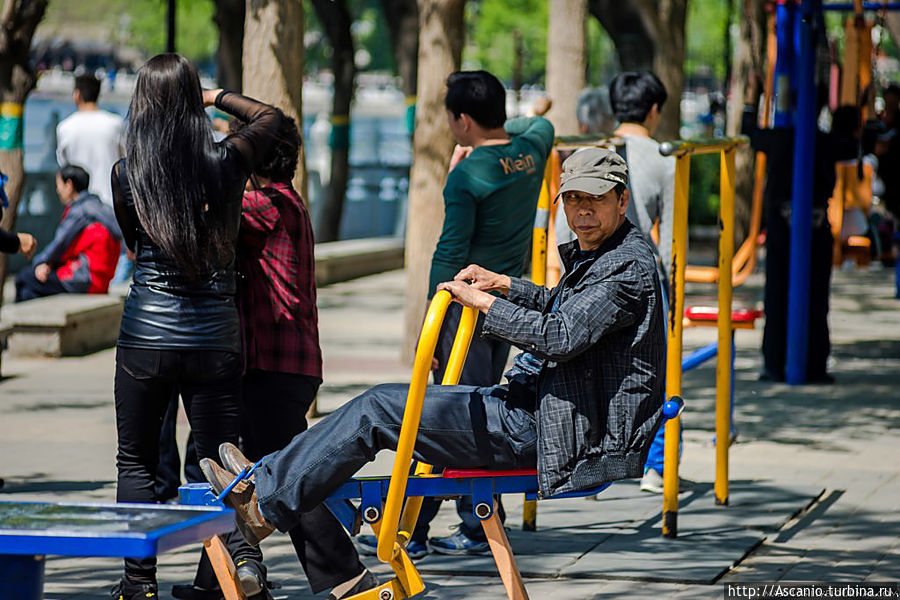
column 484, row 280
column 468, row 295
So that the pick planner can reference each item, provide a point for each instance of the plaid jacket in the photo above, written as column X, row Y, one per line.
column 277, row 292
column 600, row 393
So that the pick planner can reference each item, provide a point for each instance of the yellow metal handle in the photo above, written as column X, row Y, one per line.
column 452, row 373
column 387, row 537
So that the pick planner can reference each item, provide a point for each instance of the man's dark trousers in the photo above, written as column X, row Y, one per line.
column 29, row 287
column 484, row 366
column 463, row 427
column 274, row 411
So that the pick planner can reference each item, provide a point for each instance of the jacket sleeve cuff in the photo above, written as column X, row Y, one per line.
column 518, row 288
column 499, row 315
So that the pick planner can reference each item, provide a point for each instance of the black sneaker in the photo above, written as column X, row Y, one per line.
column 367, row 582
column 252, row 575
column 192, row 592
column 133, row 591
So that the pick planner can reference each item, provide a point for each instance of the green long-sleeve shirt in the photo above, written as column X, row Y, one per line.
column 489, row 203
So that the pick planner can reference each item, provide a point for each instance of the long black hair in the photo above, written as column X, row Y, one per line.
column 170, row 152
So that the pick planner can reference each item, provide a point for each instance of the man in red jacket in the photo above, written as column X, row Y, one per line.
column 83, row 254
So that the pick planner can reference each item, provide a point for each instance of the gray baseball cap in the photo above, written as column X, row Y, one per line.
column 593, row 171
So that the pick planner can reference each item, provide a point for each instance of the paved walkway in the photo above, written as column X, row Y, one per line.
column 815, row 494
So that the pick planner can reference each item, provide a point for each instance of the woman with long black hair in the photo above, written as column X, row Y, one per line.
column 177, row 197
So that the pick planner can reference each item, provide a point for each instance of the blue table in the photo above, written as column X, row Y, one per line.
column 31, row 530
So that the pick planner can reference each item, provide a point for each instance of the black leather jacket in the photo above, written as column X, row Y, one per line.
column 165, row 309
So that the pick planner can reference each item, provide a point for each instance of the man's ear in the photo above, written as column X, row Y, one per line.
column 467, row 122
column 624, row 199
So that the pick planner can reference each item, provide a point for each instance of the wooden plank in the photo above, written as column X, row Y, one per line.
column 503, row 556
column 224, row 568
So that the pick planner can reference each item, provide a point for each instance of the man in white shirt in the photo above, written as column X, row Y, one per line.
column 91, row 138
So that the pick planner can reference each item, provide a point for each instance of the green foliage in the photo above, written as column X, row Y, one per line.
column 602, row 63
column 705, row 37
column 490, row 25
column 704, row 190
column 370, row 34
column 196, row 36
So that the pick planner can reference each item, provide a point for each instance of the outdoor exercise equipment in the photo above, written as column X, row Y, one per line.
column 683, row 151
column 31, row 530
column 390, row 505
column 798, row 22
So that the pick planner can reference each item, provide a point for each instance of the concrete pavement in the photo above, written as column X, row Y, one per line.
column 815, row 494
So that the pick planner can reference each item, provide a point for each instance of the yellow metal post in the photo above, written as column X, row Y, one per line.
column 723, row 361
column 539, row 235
column 539, row 277
column 674, row 346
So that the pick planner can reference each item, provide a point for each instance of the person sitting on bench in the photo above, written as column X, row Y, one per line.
column 85, row 249
column 583, row 401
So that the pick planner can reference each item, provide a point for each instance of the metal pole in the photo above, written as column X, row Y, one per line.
column 784, row 28
column 723, row 362
column 802, row 197
column 170, row 27
column 674, row 346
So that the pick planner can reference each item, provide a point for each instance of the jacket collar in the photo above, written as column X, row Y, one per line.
column 569, row 252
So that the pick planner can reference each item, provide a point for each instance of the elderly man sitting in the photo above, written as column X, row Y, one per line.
column 583, row 400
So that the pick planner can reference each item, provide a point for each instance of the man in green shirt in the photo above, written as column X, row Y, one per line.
column 489, row 207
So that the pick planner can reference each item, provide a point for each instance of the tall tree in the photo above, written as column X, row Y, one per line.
column 748, row 64
column 18, row 21
column 441, row 37
column 273, row 61
column 402, row 18
column 336, row 20
column 649, row 36
column 565, row 62
column 229, row 18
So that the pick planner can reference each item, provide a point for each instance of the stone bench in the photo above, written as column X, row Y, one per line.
column 5, row 330
column 63, row 325
column 349, row 259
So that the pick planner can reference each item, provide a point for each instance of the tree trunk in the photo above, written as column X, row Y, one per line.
column 440, row 49
column 336, row 21
column 17, row 78
column 229, row 18
column 565, row 62
column 402, row 18
column 649, row 36
column 748, row 63
column 273, row 62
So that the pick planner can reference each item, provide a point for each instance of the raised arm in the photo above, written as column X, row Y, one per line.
column 253, row 141
column 537, row 130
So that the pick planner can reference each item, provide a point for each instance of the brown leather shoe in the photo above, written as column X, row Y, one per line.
column 250, row 522
column 233, row 459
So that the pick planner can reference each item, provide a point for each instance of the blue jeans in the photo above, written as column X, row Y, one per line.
column 464, row 427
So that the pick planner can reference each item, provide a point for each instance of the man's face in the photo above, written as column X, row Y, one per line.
column 594, row 218
column 65, row 190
